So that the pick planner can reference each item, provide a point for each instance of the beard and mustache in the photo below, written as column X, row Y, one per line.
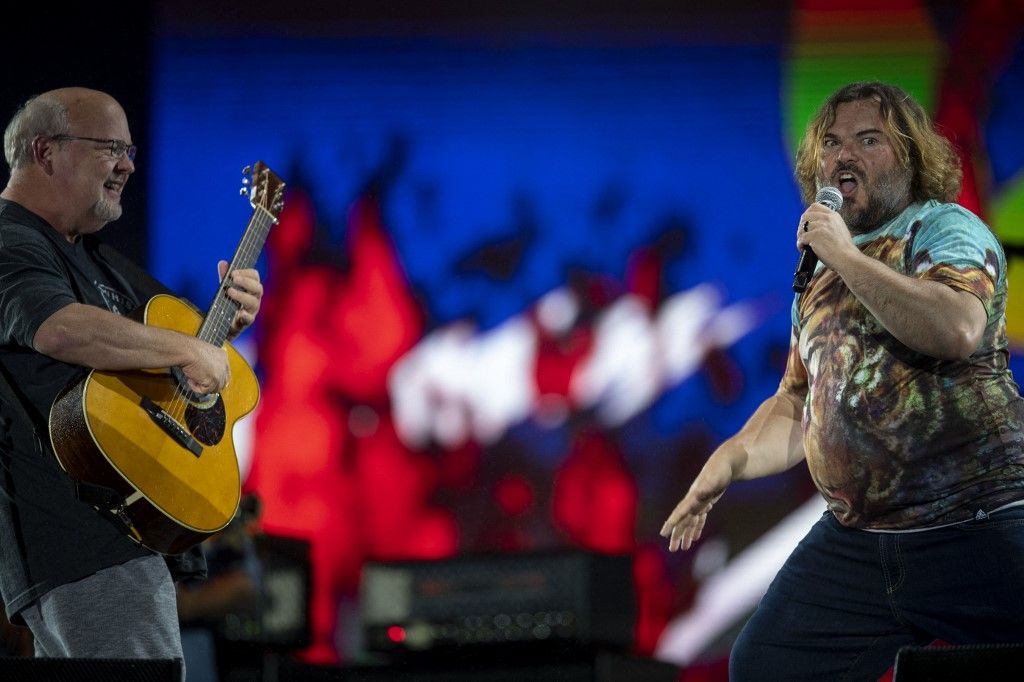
column 887, row 195
column 106, row 210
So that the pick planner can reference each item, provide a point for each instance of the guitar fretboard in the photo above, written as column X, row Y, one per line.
column 222, row 311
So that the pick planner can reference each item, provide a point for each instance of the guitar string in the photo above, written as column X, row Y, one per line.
column 223, row 309
column 215, row 327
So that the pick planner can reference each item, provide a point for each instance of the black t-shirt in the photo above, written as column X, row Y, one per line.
column 47, row 536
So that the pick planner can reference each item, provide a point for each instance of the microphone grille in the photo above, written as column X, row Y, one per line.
column 829, row 196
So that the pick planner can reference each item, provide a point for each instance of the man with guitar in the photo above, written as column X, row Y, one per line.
column 83, row 586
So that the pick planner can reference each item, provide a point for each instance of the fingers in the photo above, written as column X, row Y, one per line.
column 686, row 523
column 699, row 500
column 807, row 228
column 681, row 511
column 243, row 286
column 210, row 384
column 246, row 289
column 684, row 535
column 210, row 372
column 202, row 388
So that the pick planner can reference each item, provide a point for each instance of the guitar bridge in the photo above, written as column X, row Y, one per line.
column 171, row 427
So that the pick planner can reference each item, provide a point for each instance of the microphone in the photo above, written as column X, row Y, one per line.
column 826, row 196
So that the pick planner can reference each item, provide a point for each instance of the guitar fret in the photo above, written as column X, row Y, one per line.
column 217, row 324
column 222, row 311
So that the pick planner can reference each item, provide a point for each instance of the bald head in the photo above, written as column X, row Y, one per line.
column 70, row 154
column 54, row 113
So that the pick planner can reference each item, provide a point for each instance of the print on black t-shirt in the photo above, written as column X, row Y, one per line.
column 115, row 301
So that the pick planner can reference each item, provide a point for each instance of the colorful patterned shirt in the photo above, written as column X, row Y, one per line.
column 895, row 439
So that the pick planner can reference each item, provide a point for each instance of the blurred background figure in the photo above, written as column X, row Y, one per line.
column 232, row 590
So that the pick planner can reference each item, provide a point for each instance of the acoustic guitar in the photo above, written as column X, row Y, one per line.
column 166, row 452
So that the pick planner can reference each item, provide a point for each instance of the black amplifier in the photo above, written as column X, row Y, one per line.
column 559, row 597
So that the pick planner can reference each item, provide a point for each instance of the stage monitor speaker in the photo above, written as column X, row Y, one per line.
column 534, row 600
column 283, row 621
column 89, row 670
column 958, row 663
column 593, row 667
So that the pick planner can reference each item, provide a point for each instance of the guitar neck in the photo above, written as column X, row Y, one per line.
column 217, row 324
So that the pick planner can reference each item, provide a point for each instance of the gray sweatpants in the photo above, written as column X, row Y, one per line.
column 126, row 611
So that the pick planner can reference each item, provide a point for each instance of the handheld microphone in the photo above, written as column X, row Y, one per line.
column 826, row 196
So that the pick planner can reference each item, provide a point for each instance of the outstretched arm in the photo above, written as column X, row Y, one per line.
column 770, row 442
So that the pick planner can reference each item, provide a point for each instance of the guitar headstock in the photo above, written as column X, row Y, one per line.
column 265, row 189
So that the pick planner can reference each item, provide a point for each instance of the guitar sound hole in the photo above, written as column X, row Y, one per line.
column 206, row 423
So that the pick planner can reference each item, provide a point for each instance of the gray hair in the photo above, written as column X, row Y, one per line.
column 40, row 115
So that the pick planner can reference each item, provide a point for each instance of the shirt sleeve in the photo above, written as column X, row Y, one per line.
column 955, row 248
column 794, row 378
column 33, row 285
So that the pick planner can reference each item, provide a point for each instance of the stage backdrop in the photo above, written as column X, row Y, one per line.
column 533, row 267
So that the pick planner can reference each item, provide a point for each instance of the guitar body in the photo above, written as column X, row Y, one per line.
column 110, row 429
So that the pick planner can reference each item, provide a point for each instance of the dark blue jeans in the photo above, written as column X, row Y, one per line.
column 846, row 600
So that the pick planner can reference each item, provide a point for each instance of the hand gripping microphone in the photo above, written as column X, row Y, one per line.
column 826, row 196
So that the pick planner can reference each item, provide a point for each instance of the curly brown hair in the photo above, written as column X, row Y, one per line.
column 935, row 164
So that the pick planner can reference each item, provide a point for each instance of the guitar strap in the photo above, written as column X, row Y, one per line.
column 122, row 268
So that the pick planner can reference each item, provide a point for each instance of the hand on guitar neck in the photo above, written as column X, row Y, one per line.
column 246, row 290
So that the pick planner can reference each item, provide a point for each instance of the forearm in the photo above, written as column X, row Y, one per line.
column 770, row 442
column 926, row 316
column 86, row 335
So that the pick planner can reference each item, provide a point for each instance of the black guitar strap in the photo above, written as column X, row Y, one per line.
column 122, row 268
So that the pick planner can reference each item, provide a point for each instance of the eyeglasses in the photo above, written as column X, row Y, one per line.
column 118, row 148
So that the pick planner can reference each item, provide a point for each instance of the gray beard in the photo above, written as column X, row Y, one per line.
column 107, row 211
column 884, row 204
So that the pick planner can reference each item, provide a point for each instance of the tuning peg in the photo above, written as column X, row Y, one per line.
column 247, row 170
column 243, row 192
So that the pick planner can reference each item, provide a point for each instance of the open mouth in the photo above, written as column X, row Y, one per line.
column 114, row 186
column 847, row 182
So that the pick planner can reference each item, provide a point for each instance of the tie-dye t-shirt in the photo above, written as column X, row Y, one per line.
column 895, row 439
